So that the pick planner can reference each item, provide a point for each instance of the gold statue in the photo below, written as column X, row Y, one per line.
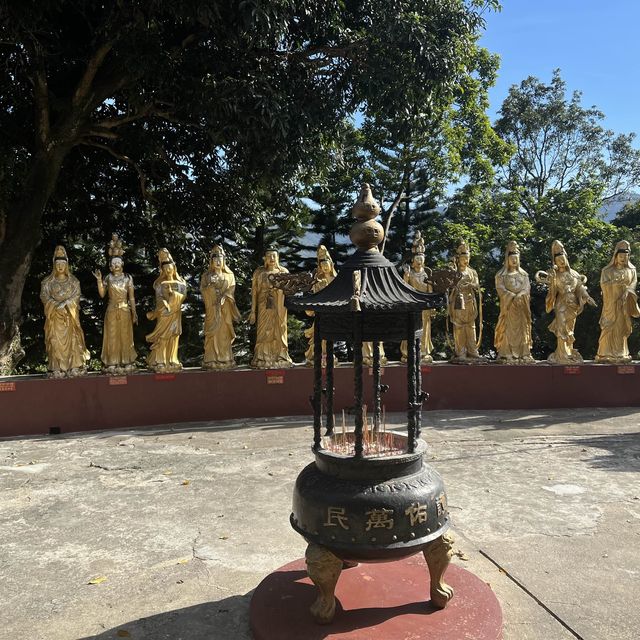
column 513, row 331
column 416, row 276
column 463, row 308
column 566, row 297
column 218, row 286
column 118, row 353
column 325, row 273
column 170, row 290
column 619, row 304
column 269, row 315
column 67, row 354
column 367, row 354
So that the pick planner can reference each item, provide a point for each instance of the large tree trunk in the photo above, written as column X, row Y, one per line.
column 20, row 235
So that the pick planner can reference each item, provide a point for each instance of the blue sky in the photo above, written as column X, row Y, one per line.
column 595, row 44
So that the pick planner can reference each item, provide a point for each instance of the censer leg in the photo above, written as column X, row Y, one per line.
column 438, row 555
column 324, row 570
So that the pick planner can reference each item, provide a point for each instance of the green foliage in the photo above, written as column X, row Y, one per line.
column 559, row 144
column 179, row 124
column 184, row 124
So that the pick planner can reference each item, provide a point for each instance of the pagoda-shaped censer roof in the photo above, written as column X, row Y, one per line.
column 367, row 281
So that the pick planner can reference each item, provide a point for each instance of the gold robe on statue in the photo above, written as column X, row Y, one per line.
column 220, row 314
column 64, row 338
column 619, row 305
column 513, row 331
column 271, row 350
column 166, row 335
column 117, row 341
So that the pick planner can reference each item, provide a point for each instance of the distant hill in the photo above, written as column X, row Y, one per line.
column 609, row 210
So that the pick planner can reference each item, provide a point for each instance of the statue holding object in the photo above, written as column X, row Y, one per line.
column 566, row 297
column 170, row 291
column 325, row 273
column 464, row 309
column 417, row 276
column 269, row 314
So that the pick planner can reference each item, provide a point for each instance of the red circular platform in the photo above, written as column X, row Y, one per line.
column 386, row 601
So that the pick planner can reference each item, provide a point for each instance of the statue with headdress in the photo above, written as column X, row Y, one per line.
column 324, row 275
column 118, row 352
column 416, row 275
column 618, row 282
column 566, row 297
column 269, row 315
column 217, row 286
column 170, row 291
column 513, row 331
column 464, row 308
column 67, row 355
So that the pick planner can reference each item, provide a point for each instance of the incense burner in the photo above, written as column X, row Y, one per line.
column 370, row 498
column 371, row 509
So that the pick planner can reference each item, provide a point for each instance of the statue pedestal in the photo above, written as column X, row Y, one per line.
column 34, row 405
column 381, row 601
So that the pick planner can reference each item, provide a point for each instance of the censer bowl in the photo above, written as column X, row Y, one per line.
column 375, row 508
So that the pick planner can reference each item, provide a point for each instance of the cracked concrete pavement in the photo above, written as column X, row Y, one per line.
column 175, row 526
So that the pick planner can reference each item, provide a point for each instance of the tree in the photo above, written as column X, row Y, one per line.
column 198, row 112
column 559, row 144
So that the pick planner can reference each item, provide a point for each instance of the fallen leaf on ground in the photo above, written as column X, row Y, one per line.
column 123, row 633
column 461, row 554
column 182, row 561
column 98, row 580
column 186, row 482
column 223, row 537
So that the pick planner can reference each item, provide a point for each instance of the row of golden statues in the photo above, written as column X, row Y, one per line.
column 567, row 295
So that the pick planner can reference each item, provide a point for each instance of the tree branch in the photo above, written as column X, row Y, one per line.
column 84, row 86
column 408, row 170
column 141, row 176
column 41, row 97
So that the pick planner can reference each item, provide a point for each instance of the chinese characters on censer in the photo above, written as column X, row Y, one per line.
column 566, row 297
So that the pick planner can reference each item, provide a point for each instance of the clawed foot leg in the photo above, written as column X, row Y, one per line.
column 324, row 570
column 438, row 555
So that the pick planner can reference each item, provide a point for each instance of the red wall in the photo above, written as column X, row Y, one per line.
column 34, row 405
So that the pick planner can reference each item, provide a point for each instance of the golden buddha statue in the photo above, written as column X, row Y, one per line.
column 325, row 273
column 118, row 352
column 170, row 291
column 513, row 332
column 367, row 354
column 67, row 354
column 566, row 297
column 269, row 315
column 463, row 308
column 416, row 276
column 619, row 304
column 217, row 286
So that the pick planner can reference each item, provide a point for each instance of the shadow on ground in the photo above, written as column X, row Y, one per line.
column 623, row 451
column 520, row 419
column 226, row 619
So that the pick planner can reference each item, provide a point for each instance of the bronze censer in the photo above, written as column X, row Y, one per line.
column 369, row 496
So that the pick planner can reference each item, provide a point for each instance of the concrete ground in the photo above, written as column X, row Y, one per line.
column 162, row 534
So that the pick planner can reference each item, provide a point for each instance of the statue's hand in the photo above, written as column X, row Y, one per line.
column 252, row 317
column 166, row 305
column 98, row 275
column 151, row 315
column 134, row 316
